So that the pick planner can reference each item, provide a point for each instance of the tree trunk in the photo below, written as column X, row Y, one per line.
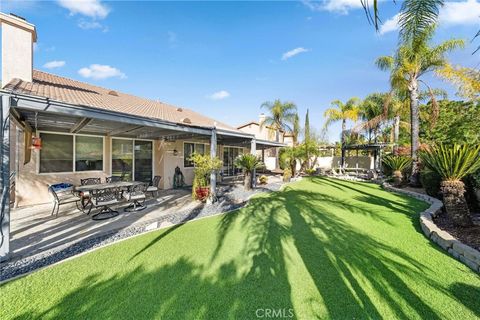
column 344, row 128
column 415, row 123
column 455, row 203
column 293, row 167
column 247, row 180
column 396, row 133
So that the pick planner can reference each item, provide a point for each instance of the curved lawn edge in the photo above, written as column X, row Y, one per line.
column 460, row 251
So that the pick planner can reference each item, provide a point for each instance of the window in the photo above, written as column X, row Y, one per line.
column 132, row 159
column 70, row 153
column 56, row 154
column 122, row 158
column 88, row 153
column 188, row 149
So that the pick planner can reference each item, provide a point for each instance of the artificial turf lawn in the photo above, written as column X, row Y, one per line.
column 323, row 248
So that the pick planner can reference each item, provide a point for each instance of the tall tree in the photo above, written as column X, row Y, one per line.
column 342, row 112
column 296, row 129
column 307, row 139
column 407, row 67
column 281, row 116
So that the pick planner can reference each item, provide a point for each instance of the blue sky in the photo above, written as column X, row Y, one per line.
column 224, row 59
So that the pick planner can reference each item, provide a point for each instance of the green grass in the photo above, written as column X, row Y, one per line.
column 324, row 248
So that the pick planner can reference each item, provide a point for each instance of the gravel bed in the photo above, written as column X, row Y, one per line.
column 229, row 198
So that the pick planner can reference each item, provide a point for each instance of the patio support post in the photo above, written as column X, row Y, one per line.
column 5, row 178
column 213, row 174
column 253, row 150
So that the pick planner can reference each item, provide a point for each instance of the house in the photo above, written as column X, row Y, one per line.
column 264, row 132
column 90, row 131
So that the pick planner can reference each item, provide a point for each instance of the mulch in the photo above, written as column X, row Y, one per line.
column 469, row 235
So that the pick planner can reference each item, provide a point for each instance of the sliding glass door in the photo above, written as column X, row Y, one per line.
column 229, row 155
column 132, row 159
column 143, row 160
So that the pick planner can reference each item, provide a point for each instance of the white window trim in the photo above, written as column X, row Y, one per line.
column 183, row 151
column 133, row 159
column 74, row 154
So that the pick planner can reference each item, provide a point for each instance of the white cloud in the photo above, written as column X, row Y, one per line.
column 451, row 14
column 90, row 8
column 219, row 95
column 90, row 25
column 337, row 6
column 54, row 64
column 460, row 13
column 390, row 24
column 294, row 52
column 100, row 72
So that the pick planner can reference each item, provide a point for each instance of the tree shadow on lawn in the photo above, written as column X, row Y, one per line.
column 355, row 275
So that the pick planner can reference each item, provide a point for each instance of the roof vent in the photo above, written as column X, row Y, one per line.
column 186, row 120
column 113, row 93
column 179, row 109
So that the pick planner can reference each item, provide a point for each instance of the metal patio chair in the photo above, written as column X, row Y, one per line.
column 137, row 195
column 63, row 193
column 153, row 187
column 103, row 199
column 113, row 179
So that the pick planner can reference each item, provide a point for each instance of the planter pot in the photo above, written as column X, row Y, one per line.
column 201, row 193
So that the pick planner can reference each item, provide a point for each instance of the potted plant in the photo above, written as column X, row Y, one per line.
column 203, row 167
column 248, row 163
column 396, row 165
column 452, row 163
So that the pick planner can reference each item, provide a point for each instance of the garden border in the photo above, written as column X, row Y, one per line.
column 460, row 251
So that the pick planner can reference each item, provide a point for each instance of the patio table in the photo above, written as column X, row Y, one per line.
column 102, row 186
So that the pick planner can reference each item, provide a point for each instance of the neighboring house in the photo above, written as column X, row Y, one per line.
column 269, row 156
column 89, row 131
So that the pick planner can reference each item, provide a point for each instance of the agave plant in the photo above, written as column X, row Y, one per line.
column 452, row 163
column 248, row 163
column 397, row 164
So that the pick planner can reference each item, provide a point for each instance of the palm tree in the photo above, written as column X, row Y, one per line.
column 372, row 108
column 416, row 16
column 248, row 163
column 281, row 115
column 412, row 61
column 453, row 163
column 342, row 112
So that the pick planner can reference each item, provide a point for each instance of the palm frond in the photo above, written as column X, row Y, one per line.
column 452, row 162
column 416, row 17
column 385, row 63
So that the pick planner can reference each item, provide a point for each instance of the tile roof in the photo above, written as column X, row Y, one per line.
column 70, row 91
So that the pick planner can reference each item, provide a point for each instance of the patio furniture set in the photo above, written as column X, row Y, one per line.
column 93, row 194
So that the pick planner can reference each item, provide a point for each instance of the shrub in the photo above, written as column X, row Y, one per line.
column 287, row 175
column 310, row 171
column 431, row 182
column 453, row 163
column 263, row 179
column 396, row 165
column 248, row 163
column 203, row 166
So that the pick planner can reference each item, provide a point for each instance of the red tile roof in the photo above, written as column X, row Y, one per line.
column 70, row 91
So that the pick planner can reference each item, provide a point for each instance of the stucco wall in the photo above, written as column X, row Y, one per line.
column 327, row 163
column 31, row 186
column 17, row 53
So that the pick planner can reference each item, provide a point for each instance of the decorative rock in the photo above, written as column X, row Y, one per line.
column 443, row 239
column 472, row 264
column 468, row 252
